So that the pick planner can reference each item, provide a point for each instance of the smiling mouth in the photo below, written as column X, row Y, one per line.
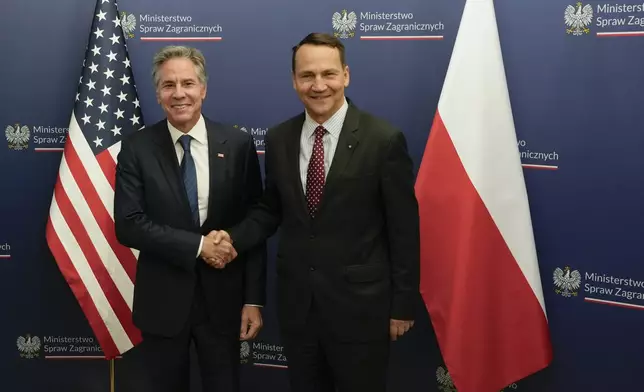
column 181, row 106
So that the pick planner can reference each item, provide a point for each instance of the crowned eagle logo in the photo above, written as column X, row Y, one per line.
column 567, row 281
column 128, row 23
column 17, row 137
column 578, row 19
column 243, row 129
column 444, row 380
column 244, row 352
column 344, row 24
column 28, row 346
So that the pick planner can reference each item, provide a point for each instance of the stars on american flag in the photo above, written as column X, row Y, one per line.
column 108, row 73
column 112, row 56
column 115, row 39
column 107, row 107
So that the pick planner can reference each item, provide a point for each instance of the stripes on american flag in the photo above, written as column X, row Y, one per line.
column 80, row 229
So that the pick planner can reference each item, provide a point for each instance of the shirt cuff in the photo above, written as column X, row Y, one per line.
column 200, row 245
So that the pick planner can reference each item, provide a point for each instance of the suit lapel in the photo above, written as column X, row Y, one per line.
column 217, row 155
column 347, row 144
column 293, row 165
column 167, row 156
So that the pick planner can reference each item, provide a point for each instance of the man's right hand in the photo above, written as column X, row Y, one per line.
column 217, row 254
column 220, row 236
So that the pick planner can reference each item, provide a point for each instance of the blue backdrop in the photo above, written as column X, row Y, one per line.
column 576, row 98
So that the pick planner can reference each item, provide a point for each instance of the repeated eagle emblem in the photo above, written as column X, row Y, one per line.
column 128, row 23
column 18, row 137
column 28, row 347
column 445, row 380
column 567, row 281
column 244, row 349
column 578, row 19
column 344, row 23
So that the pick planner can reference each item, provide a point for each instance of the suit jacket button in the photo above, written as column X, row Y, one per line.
column 312, row 268
column 312, row 236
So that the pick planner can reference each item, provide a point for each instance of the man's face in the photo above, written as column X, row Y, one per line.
column 320, row 79
column 180, row 93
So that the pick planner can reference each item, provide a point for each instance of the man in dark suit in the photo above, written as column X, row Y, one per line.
column 340, row 183
column 176, row 181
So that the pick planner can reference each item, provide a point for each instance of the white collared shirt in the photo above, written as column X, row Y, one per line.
column 199, row 152
column 330, row 140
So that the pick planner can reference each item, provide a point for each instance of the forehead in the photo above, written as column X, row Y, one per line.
column 178, row 68
column 311, row 57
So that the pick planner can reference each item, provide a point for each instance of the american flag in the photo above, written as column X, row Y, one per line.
column 80, row 229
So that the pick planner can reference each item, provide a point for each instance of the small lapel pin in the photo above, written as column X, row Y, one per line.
column 350, row 146
column 220, row 155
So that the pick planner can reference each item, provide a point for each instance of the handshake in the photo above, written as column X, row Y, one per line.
column 217, row 249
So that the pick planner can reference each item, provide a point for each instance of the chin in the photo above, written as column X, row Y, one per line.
column 183, row 117
column 320, row 107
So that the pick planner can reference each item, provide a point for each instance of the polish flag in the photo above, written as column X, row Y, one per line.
column 479, row 272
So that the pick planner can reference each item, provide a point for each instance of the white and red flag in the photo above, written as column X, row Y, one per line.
column 479, row 272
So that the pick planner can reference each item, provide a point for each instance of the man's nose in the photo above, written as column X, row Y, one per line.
column 319, row 84
column 178, row 92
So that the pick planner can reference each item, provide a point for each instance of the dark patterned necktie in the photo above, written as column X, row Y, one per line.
column 315, row 173
column 189, row 174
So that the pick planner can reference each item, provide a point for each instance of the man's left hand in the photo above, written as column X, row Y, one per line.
column 251, row 322
column 398, row 328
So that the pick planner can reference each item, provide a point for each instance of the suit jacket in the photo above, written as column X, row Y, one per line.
column 359, row 257
column 152, row 214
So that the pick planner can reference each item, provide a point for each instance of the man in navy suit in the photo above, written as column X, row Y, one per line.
column 177, row 181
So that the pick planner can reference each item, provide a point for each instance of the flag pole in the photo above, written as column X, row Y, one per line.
column 112, row 375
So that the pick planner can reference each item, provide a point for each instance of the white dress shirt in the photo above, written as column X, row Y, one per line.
column 199, row 152
column 330, row 140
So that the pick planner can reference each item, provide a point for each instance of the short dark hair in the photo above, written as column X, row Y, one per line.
column 321, row 39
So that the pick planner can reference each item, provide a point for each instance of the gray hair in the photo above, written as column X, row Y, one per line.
column 170, row 52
